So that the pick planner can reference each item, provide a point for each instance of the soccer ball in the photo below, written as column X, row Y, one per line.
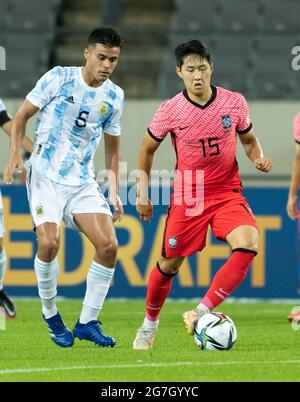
column 215, row 331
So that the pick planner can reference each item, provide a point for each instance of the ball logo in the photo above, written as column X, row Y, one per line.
column 172, row 242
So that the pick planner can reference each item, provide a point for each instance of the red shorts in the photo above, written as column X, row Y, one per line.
column 184, row 235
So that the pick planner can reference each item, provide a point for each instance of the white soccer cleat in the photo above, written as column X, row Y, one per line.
column 190, row 319
column 144, row 338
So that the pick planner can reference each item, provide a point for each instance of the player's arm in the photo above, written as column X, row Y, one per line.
column 112, row 162
column 27, row 143
column 15, row 162
column 292, row 208
column 254, row 151
column 143, row 203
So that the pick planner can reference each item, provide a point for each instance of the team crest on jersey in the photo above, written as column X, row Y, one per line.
column 172, row 242
column 40, row 210
column 103, row 108
column 226, row 121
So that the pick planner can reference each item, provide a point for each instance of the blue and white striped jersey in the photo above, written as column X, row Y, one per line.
column 72, row 118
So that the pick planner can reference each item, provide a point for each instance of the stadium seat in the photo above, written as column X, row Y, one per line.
column 33, row 14
column 239, row 15
column 272, row 43
column 197, row 14
column 271, row 86
column 238, row 82
column 3, row 12
column 281, row 16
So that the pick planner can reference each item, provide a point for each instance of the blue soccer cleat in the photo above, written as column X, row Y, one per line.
column 59, row 333
column 92, row 332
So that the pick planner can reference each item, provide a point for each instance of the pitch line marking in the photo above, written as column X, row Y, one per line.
column 121, row 366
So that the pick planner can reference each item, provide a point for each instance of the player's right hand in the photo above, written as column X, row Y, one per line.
column 144, row 210
column 15, row 163
column 292, row 208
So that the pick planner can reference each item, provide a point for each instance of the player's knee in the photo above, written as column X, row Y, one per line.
column 108, row 249
column 249, row 242
column 169, row 266
column 171, row 270
column 249, row 245
column 49, row 244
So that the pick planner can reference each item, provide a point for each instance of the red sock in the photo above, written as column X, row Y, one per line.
column 159, row 287
column 229, row 277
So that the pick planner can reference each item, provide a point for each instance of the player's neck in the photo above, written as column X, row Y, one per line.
column 89, row 79
column 202, row 98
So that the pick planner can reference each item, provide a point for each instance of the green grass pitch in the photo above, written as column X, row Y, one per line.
column 267, row 348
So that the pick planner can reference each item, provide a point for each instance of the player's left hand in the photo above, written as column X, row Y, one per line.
column 15, row 163
column 263, row 164
column 118, row 209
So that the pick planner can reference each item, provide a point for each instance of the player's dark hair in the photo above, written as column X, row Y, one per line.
column 106, row 36
column 193, row 47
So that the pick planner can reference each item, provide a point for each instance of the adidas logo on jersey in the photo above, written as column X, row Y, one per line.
column 70, row 99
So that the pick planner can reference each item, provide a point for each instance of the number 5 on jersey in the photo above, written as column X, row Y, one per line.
column 81, row 119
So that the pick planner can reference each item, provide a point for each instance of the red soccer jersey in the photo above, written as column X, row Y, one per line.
column 204, row 137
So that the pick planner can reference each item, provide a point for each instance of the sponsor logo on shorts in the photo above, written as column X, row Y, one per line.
column 39, row 210
column 226, row 121
column 172, row 242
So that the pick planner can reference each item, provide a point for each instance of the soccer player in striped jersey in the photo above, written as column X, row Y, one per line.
column 77, row 105
column 292, row 203
column 204, row 122
column 6, row 304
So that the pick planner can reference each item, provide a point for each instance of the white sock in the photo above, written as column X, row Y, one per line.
column 2, row 267
column 46, row 273
column 150, row 323
column 97, row 285
column 202, row 309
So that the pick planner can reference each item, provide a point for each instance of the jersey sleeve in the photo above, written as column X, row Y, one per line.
column 160, row 125
column 4, row 117
column 46, row 88
column 244, row 123
column 296, row 128
column 113, row 125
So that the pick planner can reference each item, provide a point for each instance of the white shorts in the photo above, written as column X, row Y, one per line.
column 53, row 202
column 1, row 218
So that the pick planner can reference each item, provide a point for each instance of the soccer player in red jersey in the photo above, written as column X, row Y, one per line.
column 203, row 121
column 292, row 203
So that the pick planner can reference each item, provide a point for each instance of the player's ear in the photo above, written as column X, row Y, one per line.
column 178, row 72
column 212, row 67
column 86, row 53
